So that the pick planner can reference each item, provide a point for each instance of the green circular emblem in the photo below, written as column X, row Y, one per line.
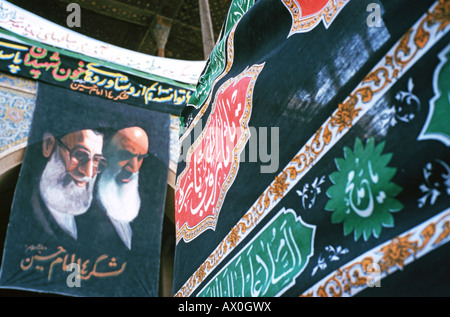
column 362, row 194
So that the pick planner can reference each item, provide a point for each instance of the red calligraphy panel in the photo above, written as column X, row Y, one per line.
column 213, row 160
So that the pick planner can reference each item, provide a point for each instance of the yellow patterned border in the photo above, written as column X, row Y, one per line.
column 302, row 24
column 389, row 257
column 432, row 26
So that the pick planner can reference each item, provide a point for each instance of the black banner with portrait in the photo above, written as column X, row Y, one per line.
column 87, row 214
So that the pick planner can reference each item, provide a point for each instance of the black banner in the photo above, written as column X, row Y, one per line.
column 315, row 157
column 87, row 213
column 90, row 78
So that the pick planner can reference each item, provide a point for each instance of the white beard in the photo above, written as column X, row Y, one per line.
column 59, row 193
column 121, row 201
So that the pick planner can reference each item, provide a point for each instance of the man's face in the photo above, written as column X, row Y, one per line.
column 81, row 152
column 126, row 152
column 68, row 179
column 118, row 186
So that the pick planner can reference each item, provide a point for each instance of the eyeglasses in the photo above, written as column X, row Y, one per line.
column 80, row 156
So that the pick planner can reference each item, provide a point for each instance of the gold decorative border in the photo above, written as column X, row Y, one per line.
column 388, row 257
column 432, row 26
column 305, row 24
column 189, row 233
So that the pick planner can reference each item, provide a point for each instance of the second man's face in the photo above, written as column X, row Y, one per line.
column 126, row 152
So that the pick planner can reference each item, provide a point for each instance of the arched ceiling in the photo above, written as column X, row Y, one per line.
column 134, row 24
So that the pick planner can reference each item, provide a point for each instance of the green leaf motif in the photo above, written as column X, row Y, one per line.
column 362, row 196
column 270, row 263
column 217, row 59
column 437, row 125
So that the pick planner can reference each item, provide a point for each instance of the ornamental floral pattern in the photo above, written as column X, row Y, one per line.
column 16, row 110
column 388, row 257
